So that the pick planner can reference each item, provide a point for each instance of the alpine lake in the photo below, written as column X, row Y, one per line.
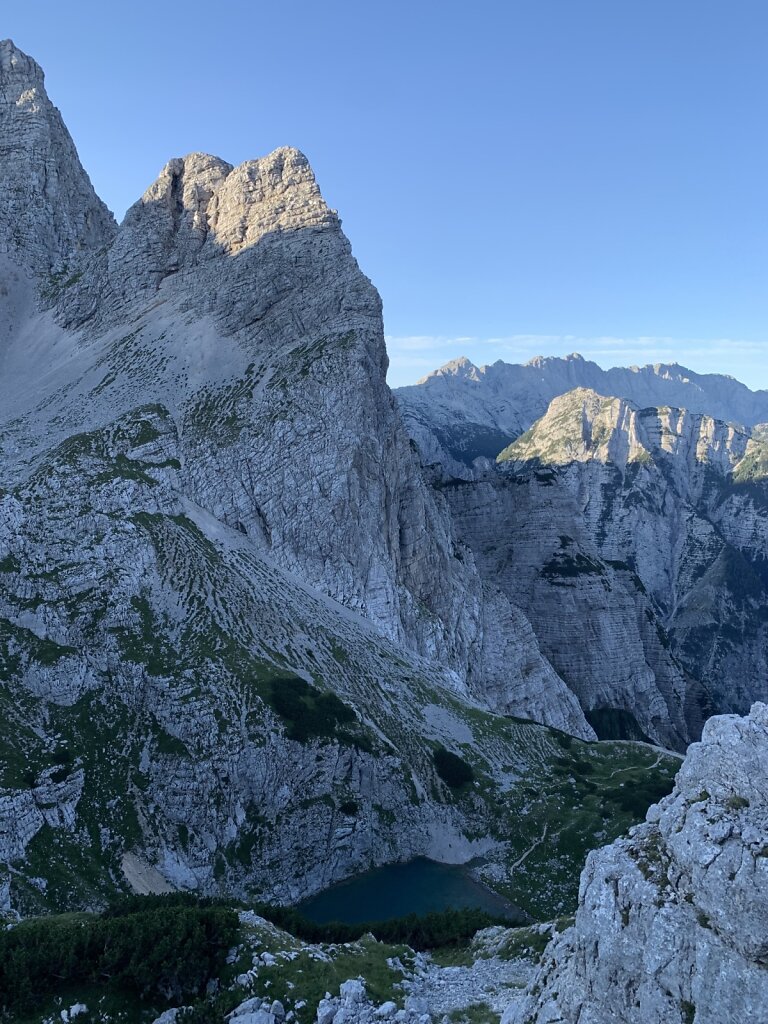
column 419, row 886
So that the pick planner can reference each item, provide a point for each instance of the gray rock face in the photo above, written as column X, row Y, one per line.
column 682, row 499
column 48, row 209
column 141, row 645
column 591, row 619
column 672, row 921
column 231, row 297
column 630, row 530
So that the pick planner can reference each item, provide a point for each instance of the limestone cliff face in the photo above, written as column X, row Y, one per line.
column 682, row 499
column 591, row 615
column 634, row 541
column 207, row 495
column 143, row 650
column 672, row 920
column 583, row 426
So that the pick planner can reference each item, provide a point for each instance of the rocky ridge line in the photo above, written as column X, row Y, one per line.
column 230, row 296
column 634, row 540
column 209, row 503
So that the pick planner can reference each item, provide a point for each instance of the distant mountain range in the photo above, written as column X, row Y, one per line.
column 463, row 411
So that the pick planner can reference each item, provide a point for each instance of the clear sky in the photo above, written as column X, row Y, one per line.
column 519, row 177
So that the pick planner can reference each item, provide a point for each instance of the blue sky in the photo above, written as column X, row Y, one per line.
column 520, row 177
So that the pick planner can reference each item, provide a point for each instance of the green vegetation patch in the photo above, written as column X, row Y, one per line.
column 9, row 563
column 637, row 798
column 161, row 947
column 309, row 713
column 436, row 930
column 754, row 466
column 477, row 1013
column 563, row 565
column 302, row 982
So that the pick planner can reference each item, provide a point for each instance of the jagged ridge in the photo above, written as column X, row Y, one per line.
column 230, row 296
column 634, row 540
column 460, row 411
column 48, row 211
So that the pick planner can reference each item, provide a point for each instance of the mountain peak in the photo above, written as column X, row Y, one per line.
column 580, row 425
column 50, row 210
column 542, row 362
column 15, row 63
column 459, row 365
column 460, row 368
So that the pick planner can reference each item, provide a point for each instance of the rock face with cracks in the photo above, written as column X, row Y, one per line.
column 672, row 921
column 230, row 296
column 48, row 210
column 462, row 411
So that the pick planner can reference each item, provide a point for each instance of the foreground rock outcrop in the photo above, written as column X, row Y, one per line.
column 672, row 925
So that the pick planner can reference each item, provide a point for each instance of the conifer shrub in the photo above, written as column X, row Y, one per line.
column 419, row 931
column 309, row 713
column 637, row 798
column 162, row 947
column 452, row 769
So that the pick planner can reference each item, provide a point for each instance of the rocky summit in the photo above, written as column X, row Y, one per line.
column 230, row 299
column 462, row 411
column 265, row 626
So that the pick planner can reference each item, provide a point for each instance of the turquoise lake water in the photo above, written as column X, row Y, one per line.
column 395, row 890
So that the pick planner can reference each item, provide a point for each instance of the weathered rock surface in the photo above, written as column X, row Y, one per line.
column 231, row 297
column 672, row 920
column 48, row 209
column 144, row 628
column 627, row 520
column 144, row 650
column 422, row 992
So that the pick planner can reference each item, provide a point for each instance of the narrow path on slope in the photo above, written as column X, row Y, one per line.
column 531, row 848
column 632, row 768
